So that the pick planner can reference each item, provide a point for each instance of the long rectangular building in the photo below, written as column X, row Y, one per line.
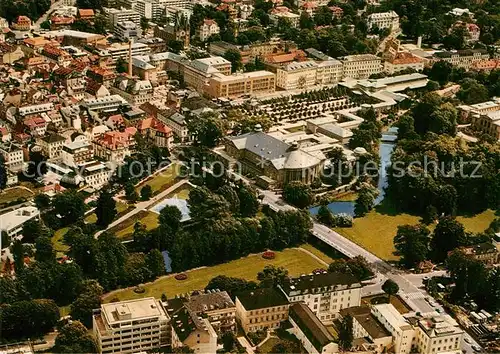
column 241, row 84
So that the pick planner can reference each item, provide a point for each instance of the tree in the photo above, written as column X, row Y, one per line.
column 42, row 201
column 423, row 111
column 155, row 263
column 37, row 166
column 365, row 201
column 272, row 276
column 448, row 235
column 390, row 287
column 75, row 338
column 298, row 194
column 444, row 120
column 207, row 129
column 249, row 204
column 325, row 216
column 234, row 56
column 32, row 229
column 146, row 192
column 69, row 207
column 105, row 209
column 175, row 46
column 121, row 65
column 441, row 72
column 88, row 300
column 228, row 341
column 3, row 173
column 144, row 24
column 357, row 267
column 472, row 92
column 130, row 193
column 230, row 284
column 305, row 21
column 17, row 251
column 44, row 250
column 345, row 333
column 412, row 244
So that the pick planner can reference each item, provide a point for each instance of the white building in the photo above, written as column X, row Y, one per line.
column 121, row 50
column 206, row 29
column 361, row 66
column 176, row 122
column 329, row 72
column 76, row 153
column 52, row 145
column 325, row 294
column 297, row 75
column 120, row 15
column 13, row 155
column 13, row 221
column 401, row 330
column 461, row 58
column 440, row 334
column 95, row 174
column 127, row 31
column 150, row 9
column 104, row 104
column 403, row 61
column 384, row 20
column 130, row 326
column 290, row 16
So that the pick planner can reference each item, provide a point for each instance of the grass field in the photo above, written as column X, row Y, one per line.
column 125, row 229
column 268, row 345
column 296, row 261
column 120, row 209
column 57, row 241
column 180, row 193
column 317, row 253
column 13, row 194
column 376, row 231
column 162, row 180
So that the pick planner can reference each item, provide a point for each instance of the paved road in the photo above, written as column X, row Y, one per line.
column 410, row 285
column 43, row 18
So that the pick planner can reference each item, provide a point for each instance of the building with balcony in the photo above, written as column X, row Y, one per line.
column 130, row 326
column 156, row 131
column 114, row 146
column 51, row 145
column 360, row 66
column 488, row 123
column 76, row 153
column 384, row 20
column 22, row 23
column 95, row 174
column 217, row 307
column 121, row 15
column 461, row 58
column 325, row 293
column 127, row 31
column 13, row 221
column 13, row 155
column 236, row 85
column 261, row 309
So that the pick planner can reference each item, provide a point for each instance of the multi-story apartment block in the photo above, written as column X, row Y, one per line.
column 287, row 15
column 360, row 66
column 136, row 92
column 13, row 155
column 488, row 123
column 296, row 75
column 52, row 145
column 130, row 326
column 12, row 222
column 121, row 50
column 313, row 335
column 329, row 72
column 261, row 309
column 325, row 293
column 250, row 83
column 104, row 104
column 403, row 61
column 35, row 109
column 484, row 252
column 121, row 15
column 156, row 131
column 95, row 174
column 440, row 334
column 401, row 330
column 198, row 72
column 150, row 9
column 76, row 153
column 461, row 58
column 36, row 126
column 72, row 80
column 384, row 20
column 217, row 307
column 189, row 329
column 206, row 29
column 22, row 23
column 127, row 31
column 115, row 146
column 177, row 122
column 366, row 326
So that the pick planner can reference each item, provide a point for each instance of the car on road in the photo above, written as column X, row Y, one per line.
column 467, row 340
column 476, row 348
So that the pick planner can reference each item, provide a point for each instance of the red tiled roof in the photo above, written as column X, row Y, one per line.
column 406, row 58
column 86, row 12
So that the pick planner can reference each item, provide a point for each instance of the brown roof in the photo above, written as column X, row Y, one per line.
column 316, row 332
column 86, row 12
column 363, row 315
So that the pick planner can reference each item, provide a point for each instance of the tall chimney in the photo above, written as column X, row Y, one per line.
column 130, row 58
column 419, row 42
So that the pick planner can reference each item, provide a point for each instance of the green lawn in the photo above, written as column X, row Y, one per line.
column 268, row 345
column 14, row 194
column 120, row 209
column 57, row 241
column 181, row 193
column 317, row 253
column 376, row 231
column 296, row 261
column 126, row 228
column 162, row 180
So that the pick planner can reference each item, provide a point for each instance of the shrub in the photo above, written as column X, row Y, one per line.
column 139, row 290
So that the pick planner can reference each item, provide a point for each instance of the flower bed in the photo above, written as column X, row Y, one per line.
column 181, row 276
column 268, row 255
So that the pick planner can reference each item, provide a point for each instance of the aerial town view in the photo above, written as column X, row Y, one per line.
column 250, row 176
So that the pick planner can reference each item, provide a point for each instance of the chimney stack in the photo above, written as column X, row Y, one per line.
column 130, row 58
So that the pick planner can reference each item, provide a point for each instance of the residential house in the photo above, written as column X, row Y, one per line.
column 439, row 334
column 261, row 309
column 13, row 155
column 176, row 122
column 76, row 153
column 114, row 146
column 86, row 14
column 22, row 23
column 136, row 92
column 157, row 131
column 383, row 20
column 95, row 174
column 52, row 145
column 35, row 126
column 206, row 29
column 485, row 252
column 217, row 307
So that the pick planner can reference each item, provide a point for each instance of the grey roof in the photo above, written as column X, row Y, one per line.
column 210, row 301
column 277, row 152
column 178, row 118
column 323, row 280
